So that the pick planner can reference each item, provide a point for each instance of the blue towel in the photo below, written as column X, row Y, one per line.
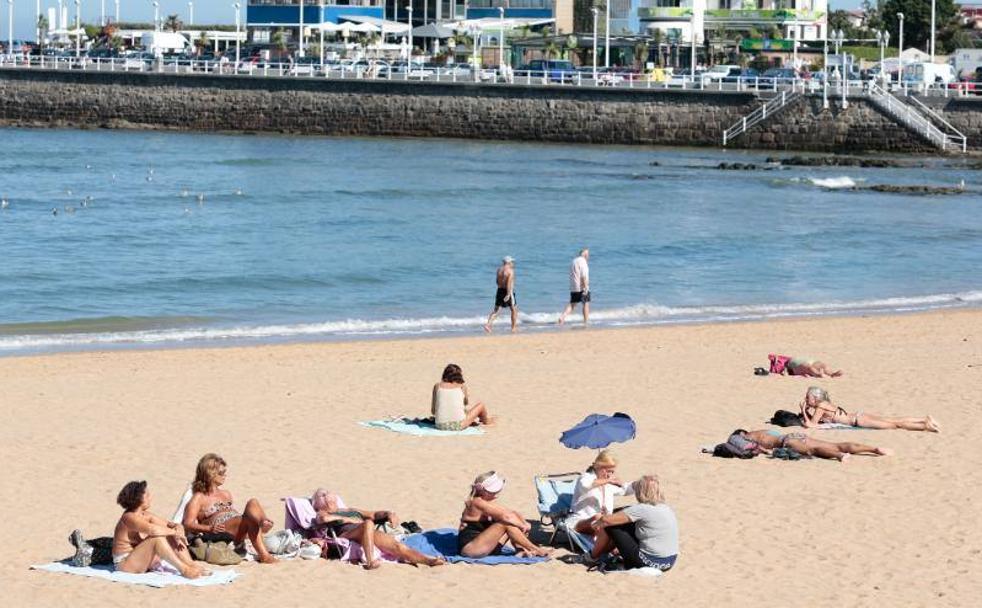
column 442, row 542
column 418, row 428
column 150, row 579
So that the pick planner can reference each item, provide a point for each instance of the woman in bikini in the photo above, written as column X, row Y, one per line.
column 141, row 539
column 803, row 444
column 210, row 509
column 359, row 525
column 818, row 408
column 451, row 404
column 485, row 525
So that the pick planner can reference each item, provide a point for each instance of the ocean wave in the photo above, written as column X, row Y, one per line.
column 833, row 183
column 640, row 314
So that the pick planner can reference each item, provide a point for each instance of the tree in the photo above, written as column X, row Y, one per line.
column 202, row 43
column 173, row 23
column 278, row 40
column 641, row 50
column 43, row 27
column 656, row 39
column 917, row 19
column 839, row 20
column 550, row 49
column 874, row 12
column 569, row 44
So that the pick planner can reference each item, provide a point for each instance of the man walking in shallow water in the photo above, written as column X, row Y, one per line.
column 579, row 286
column 505, row 296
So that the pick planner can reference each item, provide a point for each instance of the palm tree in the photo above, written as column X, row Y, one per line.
column 173, row 23
column 656, row 38
column 202, row 43
column 278, row 39
column 43, row 26
column 569, row 44
column 641, row 53
column 550, row 49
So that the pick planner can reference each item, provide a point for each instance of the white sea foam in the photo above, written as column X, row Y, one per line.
column 641, row 314
column 833, row 183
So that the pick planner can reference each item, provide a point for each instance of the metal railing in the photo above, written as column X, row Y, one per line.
column 953, row 134
column 769, row 108
column 910, row 117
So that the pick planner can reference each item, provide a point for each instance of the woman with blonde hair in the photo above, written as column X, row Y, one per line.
column 210, row 509
column 594, row 493
column 818, row 408
column 645, row 534
column 485, row 525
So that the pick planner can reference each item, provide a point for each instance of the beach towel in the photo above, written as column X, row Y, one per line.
column 443, row 543
column 149, row 579
column 178, row 516
column 300, row 516
column 417, row 427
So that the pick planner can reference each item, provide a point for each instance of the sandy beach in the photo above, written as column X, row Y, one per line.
column 897, row 531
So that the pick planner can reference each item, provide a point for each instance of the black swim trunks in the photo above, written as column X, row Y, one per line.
column 501, row 299
column 576, row 297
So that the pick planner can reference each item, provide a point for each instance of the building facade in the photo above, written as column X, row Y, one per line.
column 795, row 19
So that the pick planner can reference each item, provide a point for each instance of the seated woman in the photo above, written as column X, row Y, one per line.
column 142, row 539
column 818, row 407
column 809, row 446
column 450, row 401
column 485, row 525
column 359, row 525
column 594, row 493
column 646, row 534
column 210, row 509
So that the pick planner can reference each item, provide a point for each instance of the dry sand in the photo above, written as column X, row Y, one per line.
column 899, row 531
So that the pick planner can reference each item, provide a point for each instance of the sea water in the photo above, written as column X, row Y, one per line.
column 114, row 238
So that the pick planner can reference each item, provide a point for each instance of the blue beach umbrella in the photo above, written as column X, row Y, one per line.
column 599, row 430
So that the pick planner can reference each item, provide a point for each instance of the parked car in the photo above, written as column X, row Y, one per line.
column 776, row 76
column 305, row 66
column 971, row 85
column 745, row 77
column 684, row 78
column 719, row 72
column 926, row 73
column 556, row 70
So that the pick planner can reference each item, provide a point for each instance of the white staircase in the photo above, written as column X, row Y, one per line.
column 769, row 109
column 918, row 118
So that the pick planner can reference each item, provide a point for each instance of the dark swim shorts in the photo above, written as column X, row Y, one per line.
column 501, row 299
column 576, row 297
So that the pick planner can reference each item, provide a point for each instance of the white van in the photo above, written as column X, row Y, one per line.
column 926, row 73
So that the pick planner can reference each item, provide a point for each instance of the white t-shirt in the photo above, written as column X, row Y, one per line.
column 579, row 273
column 587, row 500
column 656, row 527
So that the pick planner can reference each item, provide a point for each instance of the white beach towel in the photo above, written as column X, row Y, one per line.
column 417, row 429
column 149, row 579
column 178, row 516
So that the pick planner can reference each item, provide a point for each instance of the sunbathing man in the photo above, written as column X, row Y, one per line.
column 359, row 525
column 809, row 446
column 142, row 539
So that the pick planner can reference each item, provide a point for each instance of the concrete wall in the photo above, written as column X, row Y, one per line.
column 362, row 107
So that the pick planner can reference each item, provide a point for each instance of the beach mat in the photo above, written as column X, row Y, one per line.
column 149, row 579
column 417, row 428
column 442, row 542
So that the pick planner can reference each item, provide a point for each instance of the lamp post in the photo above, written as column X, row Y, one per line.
column 10, row 28
column 692, row 27
column 238, row 28
column 78, row 26
column 596, row 12
column 900, row 50
column 37, row 24
column 933, row 30
column 190, row 12
column 825, row 70
column 409, row 51
column 501, row 40
column 843, row 79
column 117, row 11
column 102, row 13
column 794, row 46
column 156, row 16
column 300, row 49
column 884, row 39
column 607, row 35
column 320, row 22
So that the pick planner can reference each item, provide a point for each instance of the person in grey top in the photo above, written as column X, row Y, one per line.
column 645, row 534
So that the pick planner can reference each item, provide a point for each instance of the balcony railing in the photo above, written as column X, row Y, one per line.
column 684, row 13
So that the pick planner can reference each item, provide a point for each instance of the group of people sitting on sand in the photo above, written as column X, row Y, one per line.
column 644, row 534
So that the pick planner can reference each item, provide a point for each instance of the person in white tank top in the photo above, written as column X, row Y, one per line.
column 579, row 286
column 449, row 406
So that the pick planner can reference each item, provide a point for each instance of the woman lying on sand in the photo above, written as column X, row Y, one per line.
column 142, row 539
column 594, row 493
column 818, row 407
column 450, row 401
column 802, row 366
column 646, row 535
column 809, row 446
column 359, row 525
column 485, row 525
column 210, row 509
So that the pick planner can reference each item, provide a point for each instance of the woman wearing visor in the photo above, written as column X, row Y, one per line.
column 486, row 525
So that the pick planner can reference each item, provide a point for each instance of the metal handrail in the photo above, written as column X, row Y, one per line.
column 908, row 115
column 759, row 115
column 958, row 135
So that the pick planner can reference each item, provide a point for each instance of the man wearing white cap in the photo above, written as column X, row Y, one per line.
column 505, row 296
column 579, row 286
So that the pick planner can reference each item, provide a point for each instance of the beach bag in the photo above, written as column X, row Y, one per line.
column 779, row 363
column 737, row 447
column 786, row 418
column 283, row 542
column 217, row 553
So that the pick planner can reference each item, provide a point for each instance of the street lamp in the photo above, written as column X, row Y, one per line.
column 238, row 28
column 883, row 38
column 501, row 40
column 692, row 42
column 190, row 13
column 839, row 38
column 156, row 16
column 10, row 19
column 320, row 22
column 78, row 27
column 300, row 48
column 409, row 52
column 933, row 30
column 596, row 12
column 117, row 11
column 607, row 35
column 825, row 70
column 900, row 50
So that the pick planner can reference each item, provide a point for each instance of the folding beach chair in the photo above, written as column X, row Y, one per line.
column 555, row 498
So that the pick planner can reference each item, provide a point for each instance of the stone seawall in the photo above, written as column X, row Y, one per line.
column 463, row 110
